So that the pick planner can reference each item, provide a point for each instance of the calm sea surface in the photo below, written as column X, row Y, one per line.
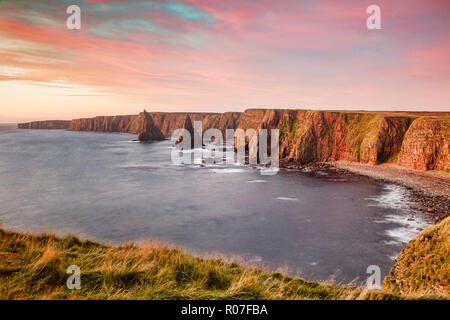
column 106, row 187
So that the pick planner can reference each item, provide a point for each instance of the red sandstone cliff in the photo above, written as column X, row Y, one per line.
column 414, row 140
column 147, row 129
column 426, row 145
column 308, row 136
column 126, row 123
column 419, row 141
column 167, row 122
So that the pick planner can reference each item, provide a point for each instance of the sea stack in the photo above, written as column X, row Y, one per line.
column 148, row 131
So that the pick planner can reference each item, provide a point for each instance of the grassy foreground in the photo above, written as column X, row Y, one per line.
column 34, row 267
column 423, row 266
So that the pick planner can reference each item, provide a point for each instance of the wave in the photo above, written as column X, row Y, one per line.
column 228, row 170
column 408, row 229
column 409, row 222
column 393, row 197
column 287, row 198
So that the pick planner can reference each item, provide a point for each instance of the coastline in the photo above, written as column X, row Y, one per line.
column 429, row 189
column 137, row 281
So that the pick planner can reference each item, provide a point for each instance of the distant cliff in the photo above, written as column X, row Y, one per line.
column 167, row 122
column 47, row 124
column 126, row 123
column 414, row 140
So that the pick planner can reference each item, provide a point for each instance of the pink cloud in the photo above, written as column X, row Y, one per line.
column 282, row 53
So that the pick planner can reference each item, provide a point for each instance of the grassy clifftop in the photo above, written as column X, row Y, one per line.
column 34, row 267
column 423, row 266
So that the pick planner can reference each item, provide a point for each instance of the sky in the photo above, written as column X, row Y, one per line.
column 221, row 55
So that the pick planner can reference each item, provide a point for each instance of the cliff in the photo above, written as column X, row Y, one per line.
column 126, row 123
column 47, row 124
column 188, row 125
column 320, row 136
column 166, row 122
column 408, row 139
column 414, row 140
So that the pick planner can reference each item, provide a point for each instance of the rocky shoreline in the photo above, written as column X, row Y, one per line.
column 427, row 190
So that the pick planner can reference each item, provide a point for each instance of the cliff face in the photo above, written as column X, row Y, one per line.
column 128, row 123
column 309, row 136
column 169, row 122
column 423, row 266
column 414, row 140
column 188, row 125
column 48, row 124
column 418, row 141
column 221, row 121
column 426, row 145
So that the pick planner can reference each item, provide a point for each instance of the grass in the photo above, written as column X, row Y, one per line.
column 34, row 267
column 423, row 266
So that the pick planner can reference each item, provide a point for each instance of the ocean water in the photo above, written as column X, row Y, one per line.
column 109, row 188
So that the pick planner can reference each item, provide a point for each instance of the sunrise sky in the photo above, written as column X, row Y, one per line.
column 221, row 55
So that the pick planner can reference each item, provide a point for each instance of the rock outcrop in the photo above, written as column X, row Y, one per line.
column 147, row 130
